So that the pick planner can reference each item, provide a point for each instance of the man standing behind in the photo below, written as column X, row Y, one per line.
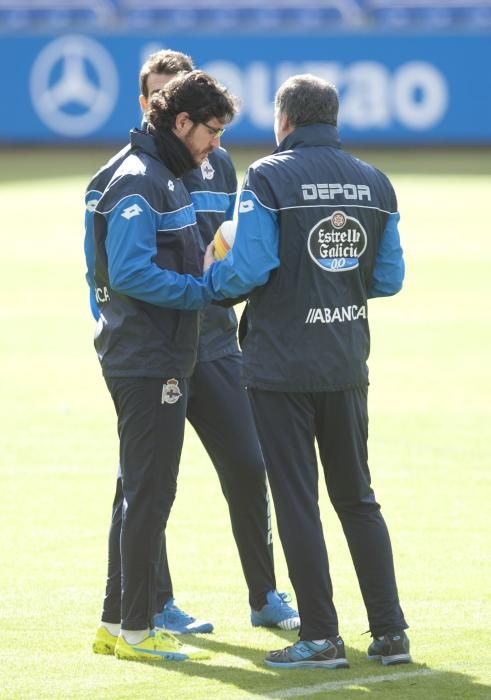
column 148, row 254
column 317, row 236
column 218, row 406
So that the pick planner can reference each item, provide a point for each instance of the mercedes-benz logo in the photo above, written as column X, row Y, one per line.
column 74, row 85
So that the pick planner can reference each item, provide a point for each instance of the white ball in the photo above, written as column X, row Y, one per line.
column 224, row 238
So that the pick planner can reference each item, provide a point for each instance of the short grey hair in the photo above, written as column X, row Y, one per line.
column 307, row 99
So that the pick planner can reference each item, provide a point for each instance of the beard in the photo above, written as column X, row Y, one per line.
column 198, row 155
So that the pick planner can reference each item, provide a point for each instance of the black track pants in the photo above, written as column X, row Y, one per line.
column 219, row 410
column 151, row 418
column 288, row 424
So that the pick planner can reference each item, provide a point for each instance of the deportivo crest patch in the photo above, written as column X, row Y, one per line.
column 207, row 170
column 171, row 392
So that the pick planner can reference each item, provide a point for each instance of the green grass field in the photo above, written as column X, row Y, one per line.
column 429, row 454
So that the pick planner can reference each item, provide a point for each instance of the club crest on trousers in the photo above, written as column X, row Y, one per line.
column 171, row 392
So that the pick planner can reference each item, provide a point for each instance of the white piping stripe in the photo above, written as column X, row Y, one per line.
column 256, row 198
column 210, row 211
column 173, row 211
column 310, row 206
column 340, row 685
column 227, row 194
column 175, row 228
column 337, row 206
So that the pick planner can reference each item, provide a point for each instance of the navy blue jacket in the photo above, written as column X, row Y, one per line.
column 213, row 189
column 148, row 257
column 317, row 236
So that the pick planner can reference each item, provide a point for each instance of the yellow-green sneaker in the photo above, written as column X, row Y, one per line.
column 104, row 642
column 159, row 645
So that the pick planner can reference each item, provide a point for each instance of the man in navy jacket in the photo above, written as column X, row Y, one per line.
column 317, row 236
column 147, row 258
column 218, row 406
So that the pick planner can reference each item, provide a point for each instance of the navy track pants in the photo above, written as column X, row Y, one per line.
column 288, row 425
column 151, row 434
column 219, row 410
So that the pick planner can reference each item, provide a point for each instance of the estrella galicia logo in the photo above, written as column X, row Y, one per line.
column 74, row 85
column 335, row 244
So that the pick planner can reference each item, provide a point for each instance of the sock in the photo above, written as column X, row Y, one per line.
column 319, row 641
column 112, row 627
column 134, row 636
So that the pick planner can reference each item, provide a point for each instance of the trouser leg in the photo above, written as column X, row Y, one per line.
column 220, row 412
column 111, row 611
column 151, row 434
column 164, row 580
column 286, row 425
column 342, row 434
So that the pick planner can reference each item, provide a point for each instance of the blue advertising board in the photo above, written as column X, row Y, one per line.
column 394, row 89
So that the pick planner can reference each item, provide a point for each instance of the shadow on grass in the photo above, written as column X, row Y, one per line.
column 415, row 680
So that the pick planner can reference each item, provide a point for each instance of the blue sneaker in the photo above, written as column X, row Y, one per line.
column 175, row 620
column 276, row 613
column 326, row 654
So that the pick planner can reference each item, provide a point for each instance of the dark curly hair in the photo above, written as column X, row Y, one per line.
column 196, row 93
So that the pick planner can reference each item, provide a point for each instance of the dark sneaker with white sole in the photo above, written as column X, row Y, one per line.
column 328, row 653
column 392, row 648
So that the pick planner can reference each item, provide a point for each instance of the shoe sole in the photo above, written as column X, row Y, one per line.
column 152, row 656
column 103, row 648
column 198, row 630
column 164, row 655
column 332, row 665
column 392, row 660
column 292, row 624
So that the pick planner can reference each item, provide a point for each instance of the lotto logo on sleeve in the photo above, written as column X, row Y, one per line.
column 246, row 206
column 132, row 211
column 336, row 244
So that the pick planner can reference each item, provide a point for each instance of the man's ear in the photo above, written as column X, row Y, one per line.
column 285, row 123
column 143, row 103
column 181, row 120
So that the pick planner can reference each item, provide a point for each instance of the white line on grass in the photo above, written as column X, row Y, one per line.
column 339, row 685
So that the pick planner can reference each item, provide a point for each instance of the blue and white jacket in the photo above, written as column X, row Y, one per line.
column 317, row 236
column 148, row 257
column 213, row 189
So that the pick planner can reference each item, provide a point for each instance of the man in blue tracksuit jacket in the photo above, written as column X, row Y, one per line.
column 317, row 236
column 218, row 406
column 147, row 258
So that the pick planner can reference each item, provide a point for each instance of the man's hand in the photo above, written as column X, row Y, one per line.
column 209, row 256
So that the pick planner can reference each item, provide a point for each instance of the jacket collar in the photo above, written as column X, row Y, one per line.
column 164, row 146
column 311, row 135
column 140, row 138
